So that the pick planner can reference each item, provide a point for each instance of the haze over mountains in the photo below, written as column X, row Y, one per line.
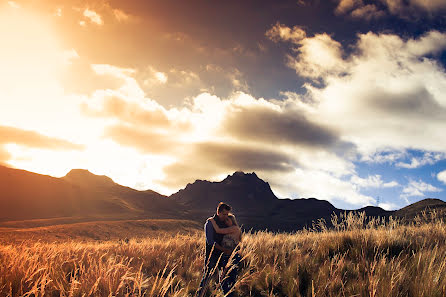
column 82, row 196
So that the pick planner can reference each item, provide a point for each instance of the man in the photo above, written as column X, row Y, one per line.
column 217, row 256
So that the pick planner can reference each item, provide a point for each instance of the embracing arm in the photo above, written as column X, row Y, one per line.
column 223, row 230
column 210, row 239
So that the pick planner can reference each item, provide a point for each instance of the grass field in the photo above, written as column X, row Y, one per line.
column 357, row 257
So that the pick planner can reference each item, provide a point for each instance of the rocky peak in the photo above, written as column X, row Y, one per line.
column 86, row 178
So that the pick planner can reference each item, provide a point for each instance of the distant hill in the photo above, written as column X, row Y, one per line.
column 26, row 195
column 81, row 196
column 410, row 211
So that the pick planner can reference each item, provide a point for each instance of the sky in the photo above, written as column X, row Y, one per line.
column 342, row 100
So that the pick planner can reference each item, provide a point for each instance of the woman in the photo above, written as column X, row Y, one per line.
column 232, row 233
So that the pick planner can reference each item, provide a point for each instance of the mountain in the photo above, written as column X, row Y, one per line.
column 255, row 204
column 83, row 196
column 410, row 211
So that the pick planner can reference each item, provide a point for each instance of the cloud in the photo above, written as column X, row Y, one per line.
column 93, row 16
column 417, row 189
column 324, row 185
column 429, row 5
column 209, row 160
column 144, row 140
column 121, row 16
column 428, row 158
column 34, row 139
column 280, row 32
column 148, row 114
column 345, row 6
column 389, row 206
column 31, row 139
column 387, row 94
column 400, row 8
column 154, row 77
column 314, row 56
column 358, row 10
column 268, row 123
column 441, row 176
column 367, row 12
column 211, row 137
column 13, row 4
column 372, row 181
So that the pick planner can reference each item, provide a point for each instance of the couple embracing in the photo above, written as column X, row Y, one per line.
column 222, row 238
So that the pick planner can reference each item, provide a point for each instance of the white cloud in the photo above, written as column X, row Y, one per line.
column 369, row 95
column 93, row 16
column 372, row 181
column 324, row 185
column 389, row 206
column 418, row 189
column 384, row 156
column 428, row 158
column 318, row 56
column 441, row 176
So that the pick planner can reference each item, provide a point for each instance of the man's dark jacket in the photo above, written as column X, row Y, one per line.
column 217, row 239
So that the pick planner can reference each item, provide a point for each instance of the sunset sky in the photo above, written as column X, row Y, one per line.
column 343, row 100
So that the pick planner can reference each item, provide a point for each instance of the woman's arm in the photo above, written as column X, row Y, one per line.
column 223, row 230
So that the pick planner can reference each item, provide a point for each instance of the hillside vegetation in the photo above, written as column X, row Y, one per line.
column 359, row 256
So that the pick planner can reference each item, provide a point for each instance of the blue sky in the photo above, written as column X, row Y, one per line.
column 343, row 100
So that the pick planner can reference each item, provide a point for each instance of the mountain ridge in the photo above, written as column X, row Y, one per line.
column 82, row 193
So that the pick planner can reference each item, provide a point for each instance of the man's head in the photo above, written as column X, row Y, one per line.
column 223, row 210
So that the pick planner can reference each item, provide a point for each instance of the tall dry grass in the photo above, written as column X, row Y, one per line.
column 358, row 256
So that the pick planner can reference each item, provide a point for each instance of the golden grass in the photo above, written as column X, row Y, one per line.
column 357, row 257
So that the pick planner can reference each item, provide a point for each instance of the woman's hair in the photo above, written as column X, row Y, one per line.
column 232, row 217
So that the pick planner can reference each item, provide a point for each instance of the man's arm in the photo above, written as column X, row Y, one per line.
column 227, row 230
column 209, row 230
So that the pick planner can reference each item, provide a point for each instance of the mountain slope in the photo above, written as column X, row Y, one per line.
column 82, row 196
column 410, row 211
column 26, row 195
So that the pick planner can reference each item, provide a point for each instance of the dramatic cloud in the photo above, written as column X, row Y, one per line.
column 417, row 189
column 317, row 56
column 31, row 139
column 212, row 137
column 271, row 124
column 212, row 159
column 400, row 8
column 386, row 94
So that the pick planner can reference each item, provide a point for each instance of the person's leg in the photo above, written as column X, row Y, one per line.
column 230, row 275
column 208, row 271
